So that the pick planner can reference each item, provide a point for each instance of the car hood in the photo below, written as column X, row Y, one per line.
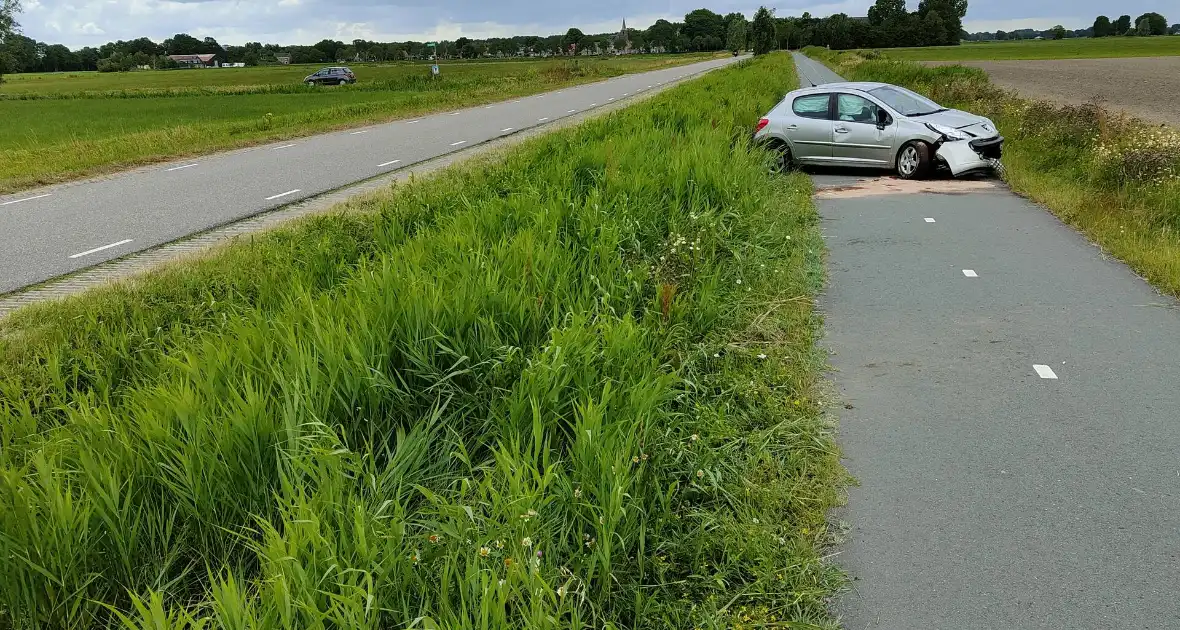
column 977, row 125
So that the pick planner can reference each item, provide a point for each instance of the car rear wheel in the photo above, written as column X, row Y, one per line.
column 782, row 156
column 913, row 161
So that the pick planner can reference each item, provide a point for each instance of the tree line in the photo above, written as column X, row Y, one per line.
column 701, row 30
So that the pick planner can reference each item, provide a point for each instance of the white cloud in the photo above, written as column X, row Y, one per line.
column 89, row 28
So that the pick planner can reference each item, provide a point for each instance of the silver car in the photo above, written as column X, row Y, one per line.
column 878, row 125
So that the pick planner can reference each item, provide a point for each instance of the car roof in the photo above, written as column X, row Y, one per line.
column 859, row 86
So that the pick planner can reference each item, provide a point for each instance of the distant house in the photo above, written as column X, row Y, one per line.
column 283, row 59
column 195, row 61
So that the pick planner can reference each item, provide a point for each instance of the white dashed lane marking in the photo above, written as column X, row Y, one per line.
column 455, row 144
column 413, row 122
column 389, row 163
column 506, row 130
column 357, row 133
column 289, row 192
column 542, row 119
column 9, row 203
column 970, row 273
column 285, row 146
column 99, row 249
column 929, row 220
column 1045, row 371
column 180, row 168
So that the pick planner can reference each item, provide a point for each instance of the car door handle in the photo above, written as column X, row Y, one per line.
column 792, row 127
column 841, row 130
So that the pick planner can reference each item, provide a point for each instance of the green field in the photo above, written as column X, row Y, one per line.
column 1074, row 48
column 63, row 126
column 571, row 386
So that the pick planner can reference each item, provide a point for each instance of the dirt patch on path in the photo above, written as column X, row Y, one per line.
column 1145, row 87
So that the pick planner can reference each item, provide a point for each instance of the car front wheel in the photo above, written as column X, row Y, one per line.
column 913, row 161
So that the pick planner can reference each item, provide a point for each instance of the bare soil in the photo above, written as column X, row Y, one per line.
column 1144, row 87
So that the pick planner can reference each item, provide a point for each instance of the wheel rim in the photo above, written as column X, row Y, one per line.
column 909, row 160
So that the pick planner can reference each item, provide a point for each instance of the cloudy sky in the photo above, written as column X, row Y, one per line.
column 79, row 23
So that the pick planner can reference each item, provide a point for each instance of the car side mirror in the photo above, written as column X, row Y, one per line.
column 883, row 119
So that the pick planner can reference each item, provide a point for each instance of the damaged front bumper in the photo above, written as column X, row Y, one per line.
column 970, row 156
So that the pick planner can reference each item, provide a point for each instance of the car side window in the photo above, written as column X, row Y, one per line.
column 811, row 106
column 853, row 108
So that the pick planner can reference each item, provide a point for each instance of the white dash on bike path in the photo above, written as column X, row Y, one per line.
column 99, row 249
column 929, row 220
column 285, row 146
column 357, row 133
column 506, row 130
column 180, row 168
column 289, row 192
column 1045, row 371
column 970, row 273
column 455, row 144
column 389, row 163
column 9, row 203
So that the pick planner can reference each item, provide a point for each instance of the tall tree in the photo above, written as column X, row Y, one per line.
column 704, row 23
column 183, row 44
column 1102, row 26
column 1058, row 32
column 764, row 36
column 662, row 34
column 934, row 30
column 573, row 37
column 1156, row 24
column 884, row 11
column 8, row 27
column 951, row 13
column 1122, row 25
column 737, row 34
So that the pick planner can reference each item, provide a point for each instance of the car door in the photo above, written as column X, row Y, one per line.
column 809, row 128
column 857, row 138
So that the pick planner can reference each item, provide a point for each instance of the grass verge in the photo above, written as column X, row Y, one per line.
column 1115, row 178
column 574, row 388
column 57, row 136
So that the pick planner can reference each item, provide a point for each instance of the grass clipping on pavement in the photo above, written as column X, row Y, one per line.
column 1114, row 177
column 573, row 388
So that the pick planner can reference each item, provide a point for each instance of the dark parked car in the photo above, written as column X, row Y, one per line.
column 331, row 76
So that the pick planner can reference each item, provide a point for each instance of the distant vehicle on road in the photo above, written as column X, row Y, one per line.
column 878, row 125
column 335, row 75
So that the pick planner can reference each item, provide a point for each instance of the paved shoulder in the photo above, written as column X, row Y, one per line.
column 812, row 72
column 1014, row 416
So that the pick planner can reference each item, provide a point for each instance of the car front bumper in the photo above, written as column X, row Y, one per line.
column 963, row 156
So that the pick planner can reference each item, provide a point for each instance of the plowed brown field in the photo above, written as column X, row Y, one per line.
column 1145, row 87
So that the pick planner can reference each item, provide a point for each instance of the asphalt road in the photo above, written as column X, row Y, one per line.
column 53, row 231
column 1014, row 420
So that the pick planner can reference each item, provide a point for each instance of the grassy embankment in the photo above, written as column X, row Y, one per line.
column 1115, row 178
column 60, row 127
column 573, row 387
column 1074, row 48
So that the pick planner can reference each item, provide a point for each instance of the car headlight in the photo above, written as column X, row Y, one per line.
column 950, row 133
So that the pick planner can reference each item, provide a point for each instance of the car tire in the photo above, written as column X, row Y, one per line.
column 783, row 160
column 913, row 160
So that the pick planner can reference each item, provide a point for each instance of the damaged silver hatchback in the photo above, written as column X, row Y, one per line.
column 878, row 125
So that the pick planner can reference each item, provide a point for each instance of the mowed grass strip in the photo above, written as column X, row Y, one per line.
column 1115, row 178
column 1073, row 48
column 575, row 387
column 58, row 130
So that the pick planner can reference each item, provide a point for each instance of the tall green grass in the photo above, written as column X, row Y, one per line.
column 575, row 387
column 67, row 128
column 1114, row 177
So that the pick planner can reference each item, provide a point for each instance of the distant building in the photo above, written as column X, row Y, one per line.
column 283, row 59
column 195, row 61
column 624, row 38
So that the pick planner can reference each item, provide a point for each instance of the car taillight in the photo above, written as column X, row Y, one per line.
column 761, row 125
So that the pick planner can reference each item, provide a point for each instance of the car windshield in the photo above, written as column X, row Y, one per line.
column 905, row 102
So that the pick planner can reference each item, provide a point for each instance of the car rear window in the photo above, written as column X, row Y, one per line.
column 811, row 106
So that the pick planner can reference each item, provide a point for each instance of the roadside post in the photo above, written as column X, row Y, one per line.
column 434, row 56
